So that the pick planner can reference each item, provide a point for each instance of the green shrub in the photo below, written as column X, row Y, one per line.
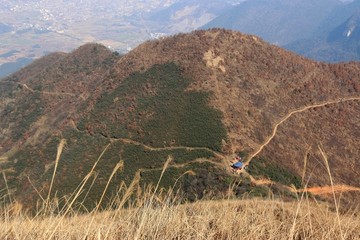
column 260, row 167
column 156, row 108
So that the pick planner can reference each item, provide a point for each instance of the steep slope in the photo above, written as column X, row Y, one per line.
column 342, row 43
column 338, row 16
column 277, row 21
column 348, row 30
column 187, row 15
column 194, row 99
column 49, row 88
column 308, row 28
column 10, row 67
column 256, row 85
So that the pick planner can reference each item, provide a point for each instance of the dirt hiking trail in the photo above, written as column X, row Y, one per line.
column 318, row 105
column 45, row 92
column 329, row 189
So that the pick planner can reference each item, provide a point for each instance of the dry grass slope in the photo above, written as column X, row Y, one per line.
column 164, row 219
column 157, row 214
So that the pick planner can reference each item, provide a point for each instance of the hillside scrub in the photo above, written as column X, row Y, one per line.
column 152, row 212
column 147, row 103
column 260, row 167
column 136, row 157
column 193, row 96
column 150, row 117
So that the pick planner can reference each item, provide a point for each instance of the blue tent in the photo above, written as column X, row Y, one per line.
column 238, row 165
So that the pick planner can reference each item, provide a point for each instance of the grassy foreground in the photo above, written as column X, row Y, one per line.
column 158, row 217
column 151, row 213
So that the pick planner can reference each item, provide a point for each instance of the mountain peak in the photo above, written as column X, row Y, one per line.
column 196, row 98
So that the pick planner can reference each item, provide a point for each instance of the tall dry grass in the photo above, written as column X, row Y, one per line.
column 166, row 219
column 158, row 214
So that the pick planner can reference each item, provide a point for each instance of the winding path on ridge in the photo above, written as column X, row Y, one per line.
column 129, row 141
column 319, row 191
column 151, row 148
column 303, row 109
column 313, row 190
column 198, row 160
column 45, row 92
column 181, row 165
column 325, row 190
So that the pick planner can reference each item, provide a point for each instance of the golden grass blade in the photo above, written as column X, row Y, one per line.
column 7, row 186
column 125, row 197
column 138, row 232
column 119, row 165
column 79, row 191
column 58, row 154
column 37, row 191
column 333, row 190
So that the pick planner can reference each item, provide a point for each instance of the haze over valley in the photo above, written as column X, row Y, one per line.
column 31, row 29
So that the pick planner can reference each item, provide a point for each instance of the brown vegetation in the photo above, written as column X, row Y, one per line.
column 254, row 85
column 258, row 85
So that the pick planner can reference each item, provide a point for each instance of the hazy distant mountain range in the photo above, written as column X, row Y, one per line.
column 316, row 29
column 338, row 38
column 31, row 29
column 276, row 21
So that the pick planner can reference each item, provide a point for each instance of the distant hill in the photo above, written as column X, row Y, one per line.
column 338, row 16
column 4, row 28
column 187, row 15
column 192, row 99
column 340, row 44
column 349, row 30
column 11, row 67
column 305, row 27
column 277, row 21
